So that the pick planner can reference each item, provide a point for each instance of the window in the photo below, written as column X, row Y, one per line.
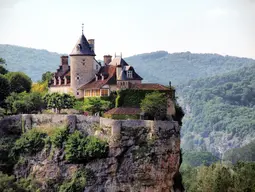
column 104, row 92
column 96, row 67
column 129, row 74
column 78, row 78
column 96, row 92
column 87, row 93
column 77, row 93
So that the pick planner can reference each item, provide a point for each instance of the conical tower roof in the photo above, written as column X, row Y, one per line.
column 82, row 47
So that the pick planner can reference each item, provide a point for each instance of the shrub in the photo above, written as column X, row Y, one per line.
column 30, row 143
column 82, row 149
column 59, row 136
column 77, row 183
column 8, row 184
column 155, row 104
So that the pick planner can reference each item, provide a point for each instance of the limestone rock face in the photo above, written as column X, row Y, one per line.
column 140, row 159
column 144, row 156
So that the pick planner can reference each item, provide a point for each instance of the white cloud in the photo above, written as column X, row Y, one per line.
column 218, row 13
column 8, row 3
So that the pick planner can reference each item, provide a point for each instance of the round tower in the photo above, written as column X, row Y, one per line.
column 81, row 65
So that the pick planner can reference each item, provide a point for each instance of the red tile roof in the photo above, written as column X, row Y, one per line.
column 123, row 111
column 109, row 70
column 150, row 86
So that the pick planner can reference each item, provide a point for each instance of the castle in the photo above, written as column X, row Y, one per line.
column 86, row 77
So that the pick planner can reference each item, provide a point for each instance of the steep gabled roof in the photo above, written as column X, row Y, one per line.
column 118, row 61
column 109, row 73
column 82, row 47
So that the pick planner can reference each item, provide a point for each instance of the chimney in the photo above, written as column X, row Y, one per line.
column 107, row 59
column 92, row 44
column 64, row 63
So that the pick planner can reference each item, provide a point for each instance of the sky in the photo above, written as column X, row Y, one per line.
column 132, row 27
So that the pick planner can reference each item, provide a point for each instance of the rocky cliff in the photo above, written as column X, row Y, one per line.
column 143, row 155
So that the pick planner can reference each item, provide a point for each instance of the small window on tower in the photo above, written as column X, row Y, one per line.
column 78, row 78
column 77, row 93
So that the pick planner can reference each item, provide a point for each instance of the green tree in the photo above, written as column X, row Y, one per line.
column 59, row 101
column 3, row 71
column 155, row 105
column 24, row 102
column 19, row 82
column 47, row 76
column 4, row 88
column 96, row 104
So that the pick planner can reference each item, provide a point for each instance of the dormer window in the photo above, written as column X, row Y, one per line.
column 78, row 48
column 129, row 74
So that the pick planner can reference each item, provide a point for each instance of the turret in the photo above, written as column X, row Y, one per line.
column 81, row 65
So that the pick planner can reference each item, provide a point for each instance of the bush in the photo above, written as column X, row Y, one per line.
column 77, row 183
column 8, row 184
column 30, row 143
column 82, row 149
column 155, row 104
column 59, row 136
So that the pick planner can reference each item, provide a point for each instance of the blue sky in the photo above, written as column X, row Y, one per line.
column 132, row 26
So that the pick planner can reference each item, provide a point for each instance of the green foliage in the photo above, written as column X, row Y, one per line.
column 155, row 104
column 130, row 98
column 8, row 184
column 6, row 163
column 59, row 137
column 76, row 184
column 29, row 143
column 3, row 71
column 245, row 153
column 59, row 101
column 221, row 104
column 120, row 116
column 82, row 149
column 47, row 76
column 19, row 82
column 195, row 159
column 95, row 104
column 2, row 61
column 24, row 102
column 4, row 88
column 219, row 177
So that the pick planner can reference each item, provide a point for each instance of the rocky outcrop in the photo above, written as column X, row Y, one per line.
column 143, row 155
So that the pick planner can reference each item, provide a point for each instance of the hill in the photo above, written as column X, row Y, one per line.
column 33, row 62
column 220, row 111
column 179, row 68
column 175, row 67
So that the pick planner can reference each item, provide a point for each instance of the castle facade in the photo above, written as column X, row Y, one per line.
column 86, row 77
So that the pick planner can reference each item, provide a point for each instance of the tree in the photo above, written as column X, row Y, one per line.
column 96, row 104
column 155, row 105
column 19, row 82
column 59, row 101
column 4, row 88
column 47, row 76
column 3, row 71
column 40, row 87
column 24, row 102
